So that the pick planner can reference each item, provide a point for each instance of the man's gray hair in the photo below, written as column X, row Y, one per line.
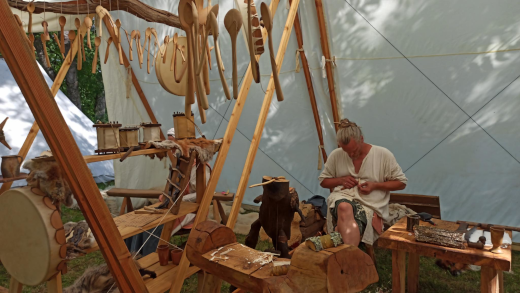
column 348, row 130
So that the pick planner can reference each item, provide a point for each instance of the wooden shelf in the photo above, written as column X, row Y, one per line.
column 100, row 158
column 165, row 274
column 126, row 232
column 21, row 177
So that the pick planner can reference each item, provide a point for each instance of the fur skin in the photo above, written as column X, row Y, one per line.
column 456, row 269
column 204, row 147
column 79, row 238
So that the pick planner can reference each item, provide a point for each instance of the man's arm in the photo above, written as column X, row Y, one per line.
column 347, row 182
column 367, row 187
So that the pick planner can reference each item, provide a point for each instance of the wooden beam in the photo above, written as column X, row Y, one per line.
column 308, row 80
column 33, row 132
column 221, row 159
column 19, row 58
column 242, row 185
column 324, row 40
column 135, row 7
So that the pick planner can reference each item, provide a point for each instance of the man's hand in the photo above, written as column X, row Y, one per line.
column 348, row 182
column 366, row 187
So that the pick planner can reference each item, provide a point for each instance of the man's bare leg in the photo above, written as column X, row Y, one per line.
column 347, row 226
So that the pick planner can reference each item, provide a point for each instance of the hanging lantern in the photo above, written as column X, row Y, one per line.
column 108, row 137
column 184, row 126
column 151, row 132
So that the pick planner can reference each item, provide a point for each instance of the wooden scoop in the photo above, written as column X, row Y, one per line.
column 187, row 28
column 63, row 21
column 72, row 36
column 213, row 25
column 268, row 23
column 233, row 23
column 88, row 24
column 148, row 37
column 97, row 42
column 132, row 37
column 108, row 49
column 118, row 24
column 30, row 9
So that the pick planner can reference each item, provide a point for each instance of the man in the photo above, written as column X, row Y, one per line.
column 361, row 177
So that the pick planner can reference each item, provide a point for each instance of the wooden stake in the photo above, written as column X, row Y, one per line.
column 324, row 40
column 27, row 74
column 242, row 186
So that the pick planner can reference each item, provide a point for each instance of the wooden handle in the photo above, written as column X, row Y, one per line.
column 205, row 72
column 251, row 45
column 206, row 34
column 220, row 71
column 130, row 150
column 165, row 51
column 148, row 56
column 108, row 51
column 83, row 48
column 80, row 60
column 29, row 26
column 235, row 77
column 131, row 52
column 94, row 63
column 172, row 63
column 58, row 42
column 191, row 76
column 277, row 86
column 62, row 41
column 208, row 53
column 119, row 49
column 88, row 39
column 187, row 107
column 179, row 78
column 139, row 52
column 202, row 99
column 478, row 245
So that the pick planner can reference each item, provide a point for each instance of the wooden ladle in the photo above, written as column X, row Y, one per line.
column 63, row 21
column 118, row 25
column 88, row 24
column 268, row 23
column 212, row 22
column 148, row 38
column 187, row 28
column 72, row 36
column 30, row 9
column 233, row 23
column 108, row 49
column 97, row 42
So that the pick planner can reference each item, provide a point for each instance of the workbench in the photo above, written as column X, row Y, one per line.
column 401, row 242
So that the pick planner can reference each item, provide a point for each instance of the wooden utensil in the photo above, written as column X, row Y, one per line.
column 58, row 42
column 233, row 23
column 132, row 37
column 101, row 12
column 83, row 47
column 97, row 42
column 166, row 42
column 80, row 54
column 202, row 99
column 172, row 63
column 148, row 38
column 177, row 77
column 213, row 25
column 88, row 24
column 187, row 28
column 45, row 37
column 252, row 36
column 268, row 23
column 118, row 25
column 108, row 49
column 63, row 21
column 139, row 48
column 154, row 33
column 72, row 36
column 30, row 9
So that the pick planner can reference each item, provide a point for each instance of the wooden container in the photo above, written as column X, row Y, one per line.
column 151, row 132
column 129, row 137
column 33, row 245
column 183, row 127
column 108, row 136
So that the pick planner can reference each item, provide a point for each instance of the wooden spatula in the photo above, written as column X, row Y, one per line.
column 268, row 23
column 97, row 42
column 233, row 23
column 213, row 25
column 108, row 49
column 63, row 21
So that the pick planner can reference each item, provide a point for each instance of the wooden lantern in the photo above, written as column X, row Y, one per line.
column 151, row 132
column 108, row 137
column 129, row 136
column 183, row 127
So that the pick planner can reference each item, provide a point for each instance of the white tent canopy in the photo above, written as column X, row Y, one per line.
column 446, row 110
column 13, row 105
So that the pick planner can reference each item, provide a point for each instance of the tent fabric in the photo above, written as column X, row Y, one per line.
column 14, row 106
column 434, row 82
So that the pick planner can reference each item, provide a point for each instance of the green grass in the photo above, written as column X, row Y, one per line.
column 431, row 278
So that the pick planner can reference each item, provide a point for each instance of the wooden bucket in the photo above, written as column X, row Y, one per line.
column 151, row 132
column 129, row 136
column 183, row 127
column 108, row 136
column 33, row 245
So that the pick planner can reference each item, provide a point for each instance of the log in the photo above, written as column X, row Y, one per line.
column 439, row 236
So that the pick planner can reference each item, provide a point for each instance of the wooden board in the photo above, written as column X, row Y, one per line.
column 141, row 193
column 419, row 203
column 397, row 238
column 100, row 158
column 21, row 177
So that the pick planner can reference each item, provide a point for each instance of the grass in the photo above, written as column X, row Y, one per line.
column 431, row 278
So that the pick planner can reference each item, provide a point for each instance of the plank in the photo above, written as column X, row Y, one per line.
column 398, row 271
column 142, row 193
column 221, row 158
column 324, row 40
column 20, row 59
column 264, row 111
column 413, row 273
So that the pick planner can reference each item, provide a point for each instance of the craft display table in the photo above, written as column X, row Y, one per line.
column 402, row 242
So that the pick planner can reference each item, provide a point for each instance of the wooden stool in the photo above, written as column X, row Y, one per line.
column 217, row 206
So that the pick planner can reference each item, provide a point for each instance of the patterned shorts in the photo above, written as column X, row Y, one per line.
column 359, row 214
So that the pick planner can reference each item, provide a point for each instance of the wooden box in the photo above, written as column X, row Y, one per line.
column 129, row 136
column 151, row 132
column 184, row 127
column 108, row 136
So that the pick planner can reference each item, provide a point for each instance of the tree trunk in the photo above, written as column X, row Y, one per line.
column 100, row 107
column 41, row 58
column 71, row 79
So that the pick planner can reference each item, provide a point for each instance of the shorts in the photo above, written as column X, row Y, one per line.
column 359, row 214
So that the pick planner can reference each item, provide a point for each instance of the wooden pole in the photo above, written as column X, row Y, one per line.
column 33, row 132
column 202, row 213
column 324, row 40
column 308, row 80
column 242, row 185
column 135, row 7
column 19, row 58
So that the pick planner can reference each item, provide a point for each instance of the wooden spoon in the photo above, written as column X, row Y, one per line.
column 139, row 48
column 172, row 63
column 213, row 10
column 179, row 78
column 97, row 42
column 233, row 23
column 213, row 25
column 118, row 25
column 88, row 24
column 132, row 37
column 148, row 37
column 108, row 49
column 58, row 42
column 166, row 42
column 63, row 21
column 30, row 9
column 187, row 28
column 72, row 36
column 268, row 23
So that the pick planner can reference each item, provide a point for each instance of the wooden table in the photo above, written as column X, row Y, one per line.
column 402, row 242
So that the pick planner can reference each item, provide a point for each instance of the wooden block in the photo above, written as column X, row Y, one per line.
column 398, row 271
column 413, row 273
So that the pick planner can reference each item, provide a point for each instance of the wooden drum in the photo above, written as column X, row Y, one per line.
column 33, row 245
column 173, row 77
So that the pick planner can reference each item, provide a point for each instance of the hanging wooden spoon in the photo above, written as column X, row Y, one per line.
column 205, row 47
column 97, row 42
column 148, row 38
column 233, row 23
column 45, row 37
column 30, row 9
column 132, row 37
column 72, row 36
column 63, row 21
column 166, row 42
column 77, row 23
column 213, row 24
column 187, row 28
column 108, row 49
column 118, row 25
column 139, row 48
column 58, row 43
column 178, row 78
column 88, row 24
column 268, row 23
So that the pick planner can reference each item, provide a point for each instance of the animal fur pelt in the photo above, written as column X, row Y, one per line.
column 205, row 148
column 47, row 176
column 79, row 238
